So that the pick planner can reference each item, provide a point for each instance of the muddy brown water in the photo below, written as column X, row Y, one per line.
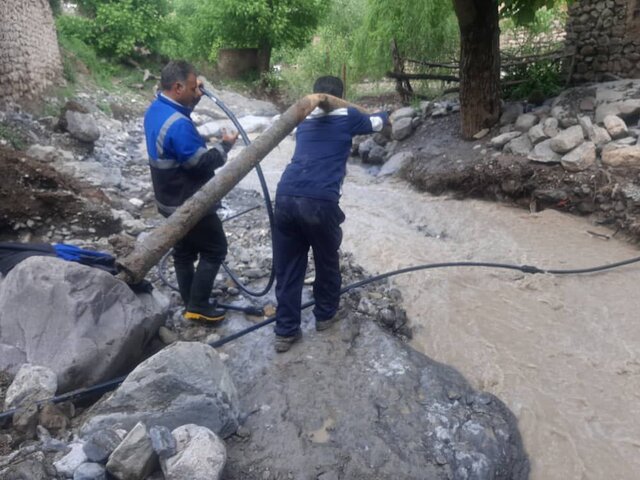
column 563, row 352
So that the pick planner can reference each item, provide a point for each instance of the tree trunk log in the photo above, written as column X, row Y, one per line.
column 479, row 64
column 149, row 252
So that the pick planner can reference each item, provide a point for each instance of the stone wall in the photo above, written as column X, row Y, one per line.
column 29, row 53
column 604, row 35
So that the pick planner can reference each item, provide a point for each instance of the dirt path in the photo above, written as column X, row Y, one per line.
column 562, row 352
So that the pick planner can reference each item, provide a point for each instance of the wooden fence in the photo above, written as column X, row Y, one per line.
column 406, row 70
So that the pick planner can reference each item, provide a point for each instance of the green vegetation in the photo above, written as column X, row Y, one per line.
column 546, row 77
column 305, row 38
column 15, row 139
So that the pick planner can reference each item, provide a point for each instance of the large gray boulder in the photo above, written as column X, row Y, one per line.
column 81, row 322
column 184, row 383
column 355, row 402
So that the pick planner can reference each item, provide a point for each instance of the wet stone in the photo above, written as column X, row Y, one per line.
column 101, row 444
column 163, row 443
column 90, row 471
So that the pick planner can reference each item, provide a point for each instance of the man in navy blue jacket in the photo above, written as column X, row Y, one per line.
column 307, row 212
column 180, row 164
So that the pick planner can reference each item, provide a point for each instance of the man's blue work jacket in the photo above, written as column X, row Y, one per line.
column 178, row 157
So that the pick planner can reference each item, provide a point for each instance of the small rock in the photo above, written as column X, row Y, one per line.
column 31, row 383
column 136, row 202
column 167, row 336
column 71, row 461
column 550, row 127
column 52, row 418
column 101, row 444
column 402, row 129
column 525, row 122
column 481, row 134
column 162, row 441
column 90, row 471
column 567, row 139
column 580, row 158
column 616, row 127
column 405, row 112
column 134, row 457
column 42, row 153
column 501, row 140
column 25, row 420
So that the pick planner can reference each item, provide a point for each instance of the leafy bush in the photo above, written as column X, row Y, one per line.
column 541, row 80
column 69, row 26
column 120, row 27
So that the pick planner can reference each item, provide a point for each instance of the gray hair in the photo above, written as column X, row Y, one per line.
column 175, row 71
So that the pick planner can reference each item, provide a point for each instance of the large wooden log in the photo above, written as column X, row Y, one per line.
column 148, row 253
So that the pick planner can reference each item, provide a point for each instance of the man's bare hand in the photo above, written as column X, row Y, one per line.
column 229, row 137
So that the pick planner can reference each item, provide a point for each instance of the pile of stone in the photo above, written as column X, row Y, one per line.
column 381, row 149
column 169, row 415
column 578, row 131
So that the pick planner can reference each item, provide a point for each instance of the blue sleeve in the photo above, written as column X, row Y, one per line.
column 362, row 124
column 185, row 142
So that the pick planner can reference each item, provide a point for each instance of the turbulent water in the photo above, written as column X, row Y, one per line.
column 563, row 352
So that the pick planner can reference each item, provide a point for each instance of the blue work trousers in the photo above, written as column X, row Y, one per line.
column 301, row 223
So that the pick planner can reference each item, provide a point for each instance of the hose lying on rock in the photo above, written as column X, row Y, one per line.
column 113, row 384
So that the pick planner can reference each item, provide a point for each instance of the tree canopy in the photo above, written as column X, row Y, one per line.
column 211, row 24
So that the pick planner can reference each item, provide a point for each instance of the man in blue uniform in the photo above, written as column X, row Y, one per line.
column 180, row 164
column 307, row 212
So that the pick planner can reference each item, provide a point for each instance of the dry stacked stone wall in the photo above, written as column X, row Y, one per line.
column 29, row 53
column 604, row 35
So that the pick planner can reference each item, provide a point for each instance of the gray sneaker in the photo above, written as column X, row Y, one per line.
column 283, row 344
column 326, row 324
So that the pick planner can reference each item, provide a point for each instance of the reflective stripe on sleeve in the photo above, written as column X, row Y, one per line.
column 163, row 132
column 376, row 123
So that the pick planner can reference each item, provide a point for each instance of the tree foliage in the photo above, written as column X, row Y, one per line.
column 118, row 28
column 523, row 12
column 211, row 24
column 422, row 30
column 331, row 48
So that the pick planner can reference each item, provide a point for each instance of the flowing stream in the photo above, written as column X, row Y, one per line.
column 563, row 352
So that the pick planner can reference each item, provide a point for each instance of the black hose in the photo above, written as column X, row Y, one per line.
column 521, row 268
column 265, row 192
column 112, row 384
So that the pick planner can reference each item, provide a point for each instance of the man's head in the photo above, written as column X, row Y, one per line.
column 178, row 81
column 331, row 85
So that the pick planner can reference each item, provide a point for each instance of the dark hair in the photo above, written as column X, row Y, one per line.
column 175, row 71
column 331, row 85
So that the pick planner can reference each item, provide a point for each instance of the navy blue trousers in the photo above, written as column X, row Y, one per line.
column 302, row 223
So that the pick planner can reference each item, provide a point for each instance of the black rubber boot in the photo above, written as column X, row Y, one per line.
column 199, row 306
column 184, row 276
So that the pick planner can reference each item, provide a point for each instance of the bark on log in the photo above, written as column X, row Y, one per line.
column 148, row 253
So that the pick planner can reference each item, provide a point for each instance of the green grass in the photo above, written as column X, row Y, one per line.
column 15, row 139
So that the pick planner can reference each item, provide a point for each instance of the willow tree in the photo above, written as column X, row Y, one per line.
column 422, row 30
column 480, row 56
